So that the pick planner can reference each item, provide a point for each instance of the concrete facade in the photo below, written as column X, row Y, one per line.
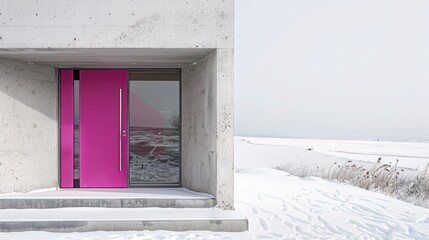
column 207, row 126
column 199, row 125
column 195, row 35
column 28, row 127
column 117, row 24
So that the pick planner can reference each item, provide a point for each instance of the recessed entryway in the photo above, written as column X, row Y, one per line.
column 120, row 128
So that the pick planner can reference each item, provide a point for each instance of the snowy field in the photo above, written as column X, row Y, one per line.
column 412, row 155
column 281, row 206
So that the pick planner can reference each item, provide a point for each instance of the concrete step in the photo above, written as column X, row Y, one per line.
column 108, row 198
column 121, row 219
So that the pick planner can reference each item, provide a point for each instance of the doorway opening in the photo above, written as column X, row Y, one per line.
column 125, row 128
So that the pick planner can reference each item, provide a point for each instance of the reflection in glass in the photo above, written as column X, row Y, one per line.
column 154, row 132
column 76, row 133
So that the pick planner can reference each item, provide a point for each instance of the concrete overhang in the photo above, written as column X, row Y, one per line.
column 107, row 57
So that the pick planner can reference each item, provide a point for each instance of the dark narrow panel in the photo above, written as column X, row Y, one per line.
column 76, row 161
column 155, row 74
column 76, row 74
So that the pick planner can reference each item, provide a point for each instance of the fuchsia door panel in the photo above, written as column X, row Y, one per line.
column 66, row 128
column 103, row 128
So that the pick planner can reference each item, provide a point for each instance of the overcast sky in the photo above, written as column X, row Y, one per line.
column 335, row 69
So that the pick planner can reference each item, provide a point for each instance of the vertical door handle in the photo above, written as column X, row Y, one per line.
column 120, row 129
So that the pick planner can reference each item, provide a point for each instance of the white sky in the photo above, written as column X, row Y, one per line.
column 345, row 69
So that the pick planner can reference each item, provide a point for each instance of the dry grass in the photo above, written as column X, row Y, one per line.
column 385, row 178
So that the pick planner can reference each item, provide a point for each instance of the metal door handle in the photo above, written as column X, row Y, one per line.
column 120, row 130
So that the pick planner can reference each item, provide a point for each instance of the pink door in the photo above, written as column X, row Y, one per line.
column 103, row 120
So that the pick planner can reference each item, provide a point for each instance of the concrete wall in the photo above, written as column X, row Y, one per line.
column 33, row 25
column 225, row 130
column 28, row 127
column 199, row 127
column 116, row 24
column 207, row 127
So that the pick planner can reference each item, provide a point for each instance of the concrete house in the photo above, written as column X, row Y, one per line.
column 117, row 104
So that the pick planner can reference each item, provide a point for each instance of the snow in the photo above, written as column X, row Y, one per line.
column 281, row 206
column 413, row 155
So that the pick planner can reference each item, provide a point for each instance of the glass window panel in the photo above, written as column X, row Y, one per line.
column 76, row 134
column 154, row 132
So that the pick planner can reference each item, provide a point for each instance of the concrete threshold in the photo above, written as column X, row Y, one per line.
column 108, row 198
column 125, row 219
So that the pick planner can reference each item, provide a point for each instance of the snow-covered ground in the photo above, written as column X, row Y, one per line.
column 281, row 206
column 284, row 206
column 412, row 155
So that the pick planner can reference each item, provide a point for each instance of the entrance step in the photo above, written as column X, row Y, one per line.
column 108, row 198
column 125, row 219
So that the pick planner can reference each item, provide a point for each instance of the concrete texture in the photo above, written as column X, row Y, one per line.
column 125, row 219
column 238, row 225
column 146, row 33
column 108, row 57
column 106, row 203
column 199, row 127
column 28, row 127
column 109, row 198
column 207, row 127
column 116, row 24
column 225, row 132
